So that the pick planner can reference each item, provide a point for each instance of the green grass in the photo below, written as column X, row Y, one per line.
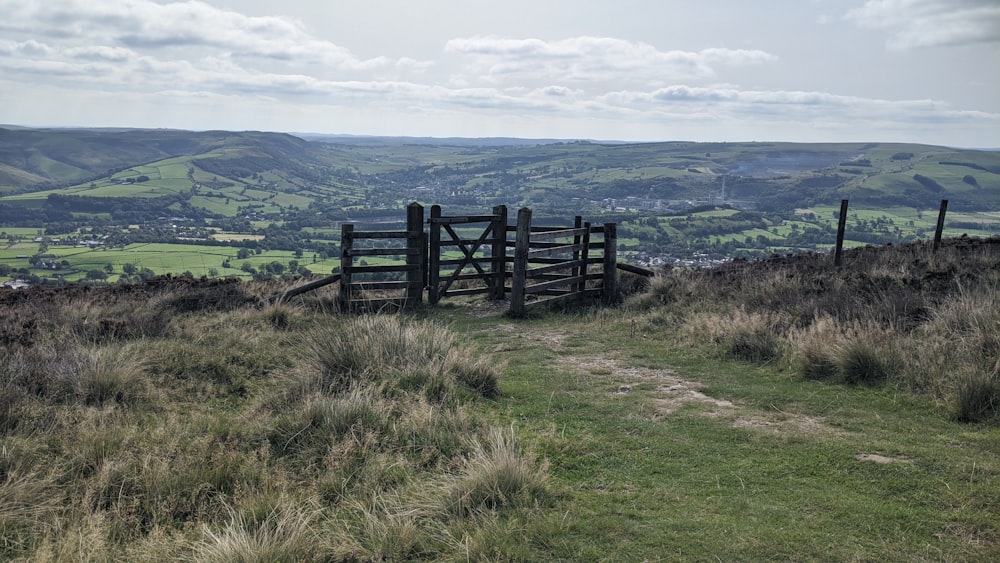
column 776, row 475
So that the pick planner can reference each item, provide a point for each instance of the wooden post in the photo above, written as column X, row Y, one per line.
column 520, row 279
column 434, row 261
column 346, row 244
column 577, row 223
column 610, row 289
column 284, row 297
column 499, row 252
column 940, row 224
column 414, row 241
column 584, row 256
column 841, row 226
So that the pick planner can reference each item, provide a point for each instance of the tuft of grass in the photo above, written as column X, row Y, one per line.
column 759, row 346
column 977, row 399
column 661, row 289
column 818, row 364
column 385, row 527
column 498, row 475
column 480, row 374
column 391, row 351
column 27, row 510
column 862, row 362
column 111, row 375
column 373, row 346
column 282, row 316
column 285, row 534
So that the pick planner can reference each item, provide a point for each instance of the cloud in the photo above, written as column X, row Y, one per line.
column 147, row 26
column 930, row 23
column 590, row 59
column 683, row 103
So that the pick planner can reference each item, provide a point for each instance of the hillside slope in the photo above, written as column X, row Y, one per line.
column 772, row 410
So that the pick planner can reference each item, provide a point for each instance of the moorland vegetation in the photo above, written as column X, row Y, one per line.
column 780, row 409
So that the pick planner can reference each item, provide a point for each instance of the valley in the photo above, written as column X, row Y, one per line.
column 77, row 202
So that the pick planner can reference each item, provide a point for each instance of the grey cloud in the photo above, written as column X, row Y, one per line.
column 930, row 23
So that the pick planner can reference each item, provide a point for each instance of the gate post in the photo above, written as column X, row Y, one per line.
column 577, row 223
column 584, row 258
column 434, row 261
column 415, row 255
column 498, row 252
column 346, row 245
column 940, row 224
column 520, row 279
column 841, row 227
column 609, row 291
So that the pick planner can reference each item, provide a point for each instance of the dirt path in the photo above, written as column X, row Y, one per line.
column 665, row 391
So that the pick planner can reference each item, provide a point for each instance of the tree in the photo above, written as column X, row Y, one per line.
column 109, row 268
column 130, row 269
column 97, row 275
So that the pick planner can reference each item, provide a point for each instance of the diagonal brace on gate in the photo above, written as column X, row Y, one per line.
column 469, row 255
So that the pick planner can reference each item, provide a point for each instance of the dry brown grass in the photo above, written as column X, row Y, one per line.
column 197, row 422
column 928, row 322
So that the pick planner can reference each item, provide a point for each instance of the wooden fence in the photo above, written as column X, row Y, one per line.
column 366, row 287
column 548, row 264
column 838, row 251
column 554, row 264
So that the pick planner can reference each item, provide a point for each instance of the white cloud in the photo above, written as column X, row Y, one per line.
column 589, row 59
column 192, row 54
column 930, row 23
column 147, row 26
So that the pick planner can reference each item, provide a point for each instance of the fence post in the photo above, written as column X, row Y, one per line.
column 940, row 224
column 434, row 265
column 841, row 226
column 520, row 279
column 610, row 288
column 499, row 252
column 584, row 257
column 346, row 244
column 414, row 260
column 577, row 223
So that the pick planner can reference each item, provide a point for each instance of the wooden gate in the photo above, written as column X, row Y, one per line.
column 489, row 269
column 550, row 264
column 377, row 287
column 554, row 263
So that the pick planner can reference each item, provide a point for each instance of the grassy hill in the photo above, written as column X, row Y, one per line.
column 250, row 167
column 771, row 410
column 123, row 190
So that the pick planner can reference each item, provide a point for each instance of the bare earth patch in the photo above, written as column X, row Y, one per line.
column 881, row 458
column 670, row 392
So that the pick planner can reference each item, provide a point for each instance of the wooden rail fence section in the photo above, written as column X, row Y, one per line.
column 385, row 286
column 554, row 263
column 838, row 251
column 490, row 269
column 549, row 264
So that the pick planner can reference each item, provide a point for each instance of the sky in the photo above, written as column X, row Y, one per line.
column 925, row 71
